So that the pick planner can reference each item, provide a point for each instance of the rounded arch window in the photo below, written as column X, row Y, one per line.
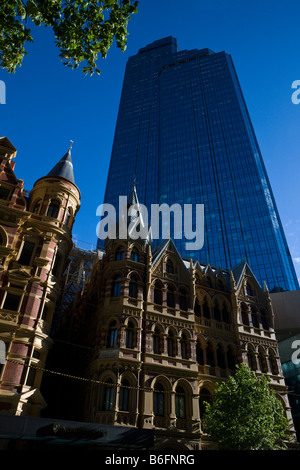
column 53, row 208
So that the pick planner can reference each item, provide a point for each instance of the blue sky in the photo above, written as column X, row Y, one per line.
column 48, row 104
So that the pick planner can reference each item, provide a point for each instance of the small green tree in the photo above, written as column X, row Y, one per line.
column 82, row 29
column 245, row 414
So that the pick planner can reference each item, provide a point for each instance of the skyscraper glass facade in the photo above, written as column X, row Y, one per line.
column 184, row 132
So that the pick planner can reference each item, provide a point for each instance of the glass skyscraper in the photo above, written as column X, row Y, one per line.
column 184, row 132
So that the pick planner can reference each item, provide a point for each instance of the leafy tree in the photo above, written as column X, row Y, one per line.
column 82, row 29
column 245, row 414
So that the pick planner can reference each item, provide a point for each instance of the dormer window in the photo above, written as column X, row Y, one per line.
column 169, row 267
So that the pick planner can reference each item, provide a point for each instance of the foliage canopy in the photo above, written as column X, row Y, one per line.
column 245, row 414
column 82, row 29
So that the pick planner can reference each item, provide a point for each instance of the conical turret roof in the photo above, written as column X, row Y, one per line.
column 64, row 168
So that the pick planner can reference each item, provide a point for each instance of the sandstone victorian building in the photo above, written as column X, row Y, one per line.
column 155, row 332
column 35, row 239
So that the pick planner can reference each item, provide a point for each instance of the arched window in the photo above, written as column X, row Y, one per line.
column 129, row 335
column 134, row 255
column 133, row 287
column 217, row 312
column 171, row 344
column 53, row 208
column 180, row 410
column 116, row 287
column 206, row 309
column 124, row 396
column 169, row 267
column 262, row 361
column 158, row 400
column 231, row 359
column 112, row 335
column 199, row 354
column 205, row 396
column 221, row 357
column 251, row 359
column 265, row 320
column 108, row 402
column 156, row 341
column 273, row 362
column 249, row 290
column 119, row 254
column 226, row 314
column 197, row 308
column 184, row 346
column 37, row 206
column 210, row 356
column 254, row 318
column 245, row 316
column 170, row 297
column 182, row 300
column 157, row 293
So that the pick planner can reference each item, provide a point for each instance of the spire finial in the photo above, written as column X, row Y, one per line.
column 72, row 141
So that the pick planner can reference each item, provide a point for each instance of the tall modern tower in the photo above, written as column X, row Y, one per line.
column 184, row 132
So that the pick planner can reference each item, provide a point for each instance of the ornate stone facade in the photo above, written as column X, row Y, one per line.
column 162, row 332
